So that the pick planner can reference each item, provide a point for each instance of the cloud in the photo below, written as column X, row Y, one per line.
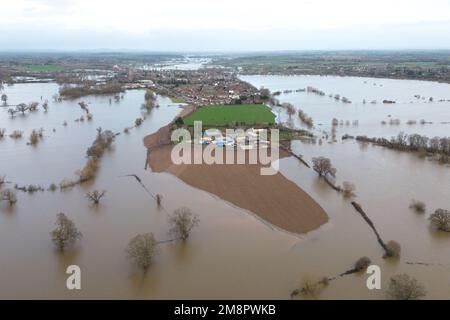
column 218, row 25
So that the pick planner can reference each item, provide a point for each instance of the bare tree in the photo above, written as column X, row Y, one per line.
column 323, row 167
column 417, row 206
column 95, row 196
column 2, row 133
column 440, row 220
column 33, row 106
column 289, row 109
column 348, row 189
column 182, row 222
column 138, row 122
column 4, row 99
column 65, row 232
column 12, row 112
column 83, row 105
column 22, row 107
column 2, row 180
column 159, row 199
column 404, row 287
column 142, row 249
column 8, row 196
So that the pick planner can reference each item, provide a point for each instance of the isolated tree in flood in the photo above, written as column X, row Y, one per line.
column 182, row 222
column 8, row 196
column 65, row 233
column 417, row 206
column 440, row 220
column 159, row 199
column 4, row 99
column 348, row 189
column 404, row 287
column 22, row 107
column 12, row 112
column 323, row 167
column 289, row 109
column 142, row 250
column 95, row 196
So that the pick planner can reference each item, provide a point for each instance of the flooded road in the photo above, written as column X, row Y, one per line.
column 232, row 254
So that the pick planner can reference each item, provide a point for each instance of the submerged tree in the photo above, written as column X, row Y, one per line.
column 417, row 206
column 142, row 249
column 289, row 109
column 348, row 189
column 12, row 112
column 404, row 287
column 138, row 122
column 8, row 196
column 22, row 107
column 65, row 232
column 95, row 196
column 4, row 99
column 159, row 199
column 440, row 220
column 182, row 222
column 323, row 167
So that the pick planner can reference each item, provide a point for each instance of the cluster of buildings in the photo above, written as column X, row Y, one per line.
column 247, row 140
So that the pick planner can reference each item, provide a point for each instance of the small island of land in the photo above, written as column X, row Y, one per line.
column 273, row 198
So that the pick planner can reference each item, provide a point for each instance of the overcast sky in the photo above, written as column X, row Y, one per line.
column 231, row 25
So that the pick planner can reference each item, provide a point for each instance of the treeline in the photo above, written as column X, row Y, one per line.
column 415, row 142
column 74, row 92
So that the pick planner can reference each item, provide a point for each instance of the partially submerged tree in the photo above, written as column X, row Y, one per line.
column 4, row 99
column 404, row 287
column 45, row 106
column 440, row 220
column 8, row 196
column 417, row 206
column 392, row 248
column 142, row 249
column 289, row 109
column 95, row 196
column 323, row 167
column 138, row 122
column 35, row 136
column 33, row 106
column 182, row 221
column 348, row 189
column 65, row 233
column 22, row 107
column 159, row 199
column 16, row 134
column 2, row 133
column 12, row 112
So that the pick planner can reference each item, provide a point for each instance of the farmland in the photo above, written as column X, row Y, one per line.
column 222, row 115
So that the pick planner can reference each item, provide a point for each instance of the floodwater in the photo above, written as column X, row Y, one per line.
column 369, row 116
column 232, row 253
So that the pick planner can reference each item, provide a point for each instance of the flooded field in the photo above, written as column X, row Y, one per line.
column 232, row 254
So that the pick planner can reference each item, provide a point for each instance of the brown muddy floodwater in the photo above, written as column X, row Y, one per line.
column 232, row 254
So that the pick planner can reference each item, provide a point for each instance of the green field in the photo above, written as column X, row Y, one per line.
column 41, row 68
column 222, row 115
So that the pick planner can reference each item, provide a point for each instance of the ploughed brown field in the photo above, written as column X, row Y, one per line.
column 273, row 198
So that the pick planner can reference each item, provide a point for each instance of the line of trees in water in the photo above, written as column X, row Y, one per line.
column 415, row 142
